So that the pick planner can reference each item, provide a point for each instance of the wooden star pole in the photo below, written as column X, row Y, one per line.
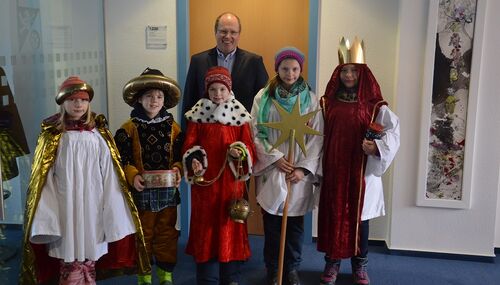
column 293, row 127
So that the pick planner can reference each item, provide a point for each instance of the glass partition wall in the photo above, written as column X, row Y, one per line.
column 41, row 44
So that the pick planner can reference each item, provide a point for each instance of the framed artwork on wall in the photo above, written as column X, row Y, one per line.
column 449, row 102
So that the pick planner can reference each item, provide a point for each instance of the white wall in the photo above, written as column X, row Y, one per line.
column 376, row 23
column 470, row 231
column 490, row 104
column 395, row 33
column 127, row 56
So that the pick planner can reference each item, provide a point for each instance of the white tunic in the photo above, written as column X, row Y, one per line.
column 376, row 166
column 271, row 185
column 81, row 207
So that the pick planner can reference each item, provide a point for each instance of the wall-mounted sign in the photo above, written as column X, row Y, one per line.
column 156, row 37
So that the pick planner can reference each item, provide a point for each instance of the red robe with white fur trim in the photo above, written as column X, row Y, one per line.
column 214, row 128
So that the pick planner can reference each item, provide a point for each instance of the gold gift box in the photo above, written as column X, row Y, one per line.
column 159, row 178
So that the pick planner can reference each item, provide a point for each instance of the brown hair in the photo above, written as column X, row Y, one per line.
column 273, row 84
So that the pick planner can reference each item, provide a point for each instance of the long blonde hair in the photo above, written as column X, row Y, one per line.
column 61, row 123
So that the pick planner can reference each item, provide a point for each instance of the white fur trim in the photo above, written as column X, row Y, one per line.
column 189, row 178
column 230, row 113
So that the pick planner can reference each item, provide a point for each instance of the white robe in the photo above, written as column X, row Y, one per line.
column 271, row 185
column 376, row 166
column 81, row 207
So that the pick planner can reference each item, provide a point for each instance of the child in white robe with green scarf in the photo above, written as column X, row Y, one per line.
column 273, row 170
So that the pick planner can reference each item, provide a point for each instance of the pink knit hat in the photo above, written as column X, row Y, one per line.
column 288, row 52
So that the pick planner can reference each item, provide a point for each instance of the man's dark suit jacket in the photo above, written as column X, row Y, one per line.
column 249, row 76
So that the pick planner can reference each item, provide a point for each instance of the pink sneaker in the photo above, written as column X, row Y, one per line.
column 329, row 276
column 359, row 270
column 77, row 273
column 361, row 277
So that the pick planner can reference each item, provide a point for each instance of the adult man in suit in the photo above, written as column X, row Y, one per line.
column 247, row 69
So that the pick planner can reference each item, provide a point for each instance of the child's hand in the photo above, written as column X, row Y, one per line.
column 369, row 147
column 235, row 153
column 178, row 176
column 283, row 165
column 295, row 176
column 197, row 167
column 139, row 183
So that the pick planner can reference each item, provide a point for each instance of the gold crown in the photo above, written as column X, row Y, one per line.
column 354, row 53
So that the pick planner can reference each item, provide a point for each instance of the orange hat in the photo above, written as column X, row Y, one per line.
column 72, row 85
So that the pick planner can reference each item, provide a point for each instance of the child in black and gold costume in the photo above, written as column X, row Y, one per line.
column 151, row 140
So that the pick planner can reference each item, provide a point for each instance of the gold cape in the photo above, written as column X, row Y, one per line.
column 44, row 158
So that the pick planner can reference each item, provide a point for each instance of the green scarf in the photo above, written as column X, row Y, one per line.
column 286, row 99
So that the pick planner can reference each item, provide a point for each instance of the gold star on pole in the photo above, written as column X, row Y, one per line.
column 292, row 121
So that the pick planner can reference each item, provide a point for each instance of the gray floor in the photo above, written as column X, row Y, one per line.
column 384, row 268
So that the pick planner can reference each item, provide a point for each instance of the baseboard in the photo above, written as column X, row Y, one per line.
column 439, row 255
column 377, row 242
column 382, row 246
column 371, row 242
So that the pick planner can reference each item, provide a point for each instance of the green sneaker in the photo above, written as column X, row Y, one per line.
column 144, row 279
column 165, row 277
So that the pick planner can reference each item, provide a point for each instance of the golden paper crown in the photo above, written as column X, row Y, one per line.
column 351, row 53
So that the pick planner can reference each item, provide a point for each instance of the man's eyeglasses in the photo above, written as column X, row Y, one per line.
column 226, row 32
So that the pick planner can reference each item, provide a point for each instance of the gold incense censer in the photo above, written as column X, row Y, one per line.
column 239, row 210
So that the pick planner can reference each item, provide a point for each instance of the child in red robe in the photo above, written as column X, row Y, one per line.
column 218, row 147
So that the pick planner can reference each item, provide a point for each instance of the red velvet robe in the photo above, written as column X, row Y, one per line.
column 343, row 187
column 212, row 233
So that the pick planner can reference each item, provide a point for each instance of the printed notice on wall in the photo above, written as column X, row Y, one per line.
column 156, row 37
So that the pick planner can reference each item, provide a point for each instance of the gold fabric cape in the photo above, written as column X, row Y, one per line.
column 44, row 158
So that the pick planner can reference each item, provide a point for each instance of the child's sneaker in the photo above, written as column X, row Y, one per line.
column 331, row 271
column 144, row 279
column 165, row 277
column 359, row 270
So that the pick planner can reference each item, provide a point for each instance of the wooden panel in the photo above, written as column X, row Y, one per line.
column 266, row 26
